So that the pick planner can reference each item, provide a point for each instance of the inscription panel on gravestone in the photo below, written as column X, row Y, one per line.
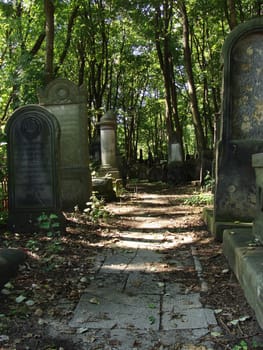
column 32, row 164
column 247, row 88
column 72, row 126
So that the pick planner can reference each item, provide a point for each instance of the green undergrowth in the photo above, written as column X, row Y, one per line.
column 200, row 198
column 243, row 345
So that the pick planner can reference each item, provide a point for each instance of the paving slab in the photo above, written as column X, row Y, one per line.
column 109, row 280
column 145, row 283
column 108, row 308
column 181, row 301
column 117, row 261
column 145, row 261
column 188, row 319
column 175, row 287
column 136, row 302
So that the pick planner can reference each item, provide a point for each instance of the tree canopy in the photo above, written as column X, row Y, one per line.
column 156, row 63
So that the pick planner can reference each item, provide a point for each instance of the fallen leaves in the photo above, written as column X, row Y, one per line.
column 238, row 320
column 63, row 269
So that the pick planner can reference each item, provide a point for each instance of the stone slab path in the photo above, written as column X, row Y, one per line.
column 133, row 300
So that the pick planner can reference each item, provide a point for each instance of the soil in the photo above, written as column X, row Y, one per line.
column 60, row 267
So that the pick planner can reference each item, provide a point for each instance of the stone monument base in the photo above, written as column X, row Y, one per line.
column 245, row 257
column 25, row 222
column 109, row 172
column 103, row 186
column 216, row 227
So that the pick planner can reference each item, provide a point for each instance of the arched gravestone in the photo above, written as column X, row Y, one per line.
column 241, row 129
column 68, row 102
column 33, row 162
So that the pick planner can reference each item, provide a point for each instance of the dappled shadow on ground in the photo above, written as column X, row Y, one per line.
column 61, row 267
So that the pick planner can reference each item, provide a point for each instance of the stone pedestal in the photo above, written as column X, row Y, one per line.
column 108, row 145
column 67, row 102
column 257, row 163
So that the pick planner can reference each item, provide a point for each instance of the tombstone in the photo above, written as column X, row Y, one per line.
column 257, row 163
column 67, row 102
column 33, row 162
column 241, row 125
column 175, row 153
column 108, row 126
column 174, row 150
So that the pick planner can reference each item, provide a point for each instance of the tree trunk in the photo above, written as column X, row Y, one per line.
column 68, row 39
column 232, row 14
column 162, row 43
column 200, row 139
column 49, row 13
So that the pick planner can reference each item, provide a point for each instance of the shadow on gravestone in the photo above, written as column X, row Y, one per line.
column 33, row 163
column 241, row 125
column 67, row 102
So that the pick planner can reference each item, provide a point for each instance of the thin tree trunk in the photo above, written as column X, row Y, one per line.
column 49, row 13
column 232, row 14
column 68, row 39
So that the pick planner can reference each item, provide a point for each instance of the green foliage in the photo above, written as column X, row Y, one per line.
column 209, row 182
column 110, row 48
column 48, row 224
column 202, row 198
column 54, row 247
column 243, row 345
column 96, row 209
column 33, row 244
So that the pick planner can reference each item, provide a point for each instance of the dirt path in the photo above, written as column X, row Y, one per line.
column 150, row 278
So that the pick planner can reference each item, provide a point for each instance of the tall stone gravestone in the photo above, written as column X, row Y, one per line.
column 33, row 161
column 241, row 129
column 257, row 163
column 67, row 102
column 174, row 150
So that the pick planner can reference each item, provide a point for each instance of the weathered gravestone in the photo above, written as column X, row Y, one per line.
column 257, row 163
column 241, row 129
column 67, row 102
column 174, row 150
column 33, row 160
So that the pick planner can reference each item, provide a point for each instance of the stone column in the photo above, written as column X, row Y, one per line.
column 108, row 145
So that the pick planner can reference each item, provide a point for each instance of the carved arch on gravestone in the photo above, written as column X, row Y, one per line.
column 62, row 91
column 248, row 30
